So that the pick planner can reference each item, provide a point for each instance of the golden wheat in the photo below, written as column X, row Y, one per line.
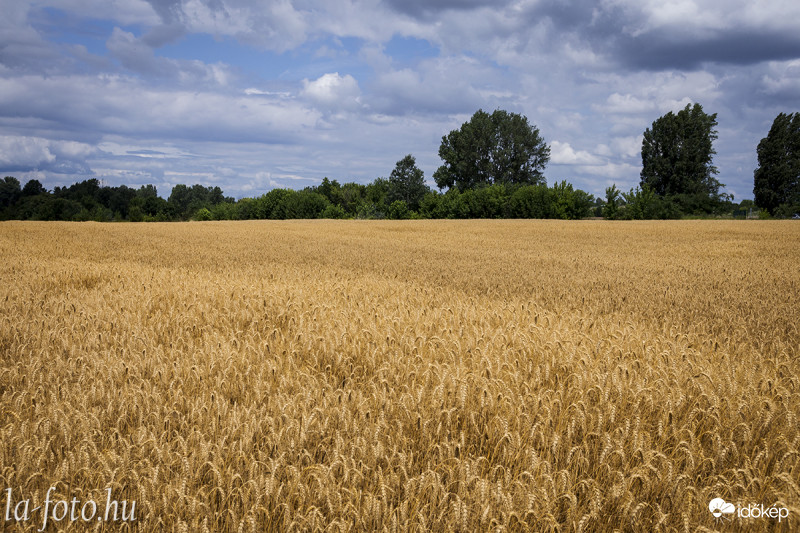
column 416, row 375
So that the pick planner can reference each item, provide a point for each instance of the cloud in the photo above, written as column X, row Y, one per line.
column 650, row 35
column 125, row 12
column 660, row 50
column 136, row 55
column 21, row 46
column 627, row 103
column 628, row 147
column 19, row 153
column 163, row 34
column 169, row 11
column 562, row 153
column 443, row 85
column 119, row 105
column 657, row 35
column 312, row 88
column 782, row 81
column 653, row 94
column 332, row 91
column 431, row 8
column 146, row 153
column 24, row 152
column 271, row 25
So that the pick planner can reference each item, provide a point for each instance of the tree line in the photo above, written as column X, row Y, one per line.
column 380, row 199
column 493, row 167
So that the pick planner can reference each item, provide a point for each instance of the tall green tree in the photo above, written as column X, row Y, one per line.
column 677, row 154
column 613, row 201
column 498, row 148
column 10, row 191
column 777, row 178
column 180, row 197
column 407, row 183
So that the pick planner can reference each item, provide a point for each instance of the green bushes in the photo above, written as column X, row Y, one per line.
column 644, row 204
column 493, row 201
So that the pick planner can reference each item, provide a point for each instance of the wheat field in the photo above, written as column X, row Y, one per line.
column 396, row 376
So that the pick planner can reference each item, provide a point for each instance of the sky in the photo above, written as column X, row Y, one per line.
column 250, row 95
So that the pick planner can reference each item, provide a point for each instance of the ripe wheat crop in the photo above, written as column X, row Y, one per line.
column 394, row 376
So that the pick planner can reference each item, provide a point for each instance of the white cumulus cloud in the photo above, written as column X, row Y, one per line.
column 561, row 153
column 333, row 91
column 25, row 151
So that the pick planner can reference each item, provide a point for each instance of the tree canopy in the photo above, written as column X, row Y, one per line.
column 10, row 191
column 677, row 154
column 407, row 183
column 777, row 178
column 501, row 148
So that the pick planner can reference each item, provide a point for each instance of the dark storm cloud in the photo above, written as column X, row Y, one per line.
column 661, row 50
column 626, row 34
column 428, row 8
column 626, row 38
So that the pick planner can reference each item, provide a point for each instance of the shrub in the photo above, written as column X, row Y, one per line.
column 203, row 214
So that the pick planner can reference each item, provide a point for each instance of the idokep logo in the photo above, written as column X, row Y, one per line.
column 724, row 510
column 721, row 509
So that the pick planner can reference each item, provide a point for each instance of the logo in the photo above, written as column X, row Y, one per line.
column 721, row 509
